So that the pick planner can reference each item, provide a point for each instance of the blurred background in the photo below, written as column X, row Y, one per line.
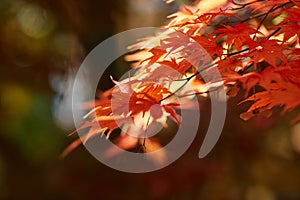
column 42, row 44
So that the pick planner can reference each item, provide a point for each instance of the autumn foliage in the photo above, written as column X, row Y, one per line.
column 254, row 44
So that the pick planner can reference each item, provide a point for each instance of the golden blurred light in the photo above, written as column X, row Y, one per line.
column 35, row 21
column 15, row 99
column 278, row 143
column 259, row 192
column 295, row 138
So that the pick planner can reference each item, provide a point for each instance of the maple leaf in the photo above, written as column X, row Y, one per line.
column 291, row 72
column 229, row 66
column 157, row 54
column 209, row 44
column 237, row 35
column 290, row 25
column 181, row 66
column 248, row 81
column 147, row 95
column 289, row 30
column 206, row 18
column 282, row 88
column 267, row 50
column 287, row 96
column 185, row 15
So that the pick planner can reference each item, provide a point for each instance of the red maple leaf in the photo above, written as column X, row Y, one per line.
column 238, row 35
column 185, row 15
column 209, row 44
column 267, row 50
column 157, row 54
column 290, row 25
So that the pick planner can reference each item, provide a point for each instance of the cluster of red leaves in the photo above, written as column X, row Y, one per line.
column 253, row 43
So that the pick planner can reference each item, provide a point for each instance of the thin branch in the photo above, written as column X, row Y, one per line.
column 263, row 14
column 182, row 86
column 262, row 21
